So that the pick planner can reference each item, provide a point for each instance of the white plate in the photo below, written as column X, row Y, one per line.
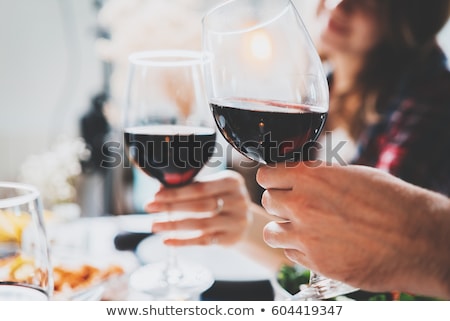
column 94, row 291
column 225, row 263
column 138, row 223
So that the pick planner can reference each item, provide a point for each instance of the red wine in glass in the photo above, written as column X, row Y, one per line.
column 269, row 131
column 169, row 135
column 173, row 154
column 267, row 90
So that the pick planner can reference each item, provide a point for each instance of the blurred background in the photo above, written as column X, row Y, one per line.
column 62, row 73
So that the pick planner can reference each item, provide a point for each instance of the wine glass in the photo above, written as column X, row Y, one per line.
column 267, row 90
column 169, row 135
column 25, row 269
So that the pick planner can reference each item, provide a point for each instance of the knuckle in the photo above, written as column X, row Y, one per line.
column 202, row 224
column 241, row 219
column 200, row 188
column 232, row 182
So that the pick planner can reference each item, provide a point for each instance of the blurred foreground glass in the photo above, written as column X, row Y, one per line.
column 267, row 90
column 169, row 135
column 25, row 269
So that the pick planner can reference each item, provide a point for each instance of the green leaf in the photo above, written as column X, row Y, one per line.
column 290, row 278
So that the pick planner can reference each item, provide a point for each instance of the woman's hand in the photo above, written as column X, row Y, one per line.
column 223, row 195
column 359, row 225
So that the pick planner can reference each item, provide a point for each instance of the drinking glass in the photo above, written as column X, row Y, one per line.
column 25, row 269
column 267, row 90
column 169, row 135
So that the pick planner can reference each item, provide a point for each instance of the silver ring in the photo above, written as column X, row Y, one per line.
column 219, row 205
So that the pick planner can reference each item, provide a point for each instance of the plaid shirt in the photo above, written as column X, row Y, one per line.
column 412, row 138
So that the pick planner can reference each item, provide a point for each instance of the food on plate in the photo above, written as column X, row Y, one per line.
column 12, row 225
column 81, row 277
column 17, row 268
column 67, row 278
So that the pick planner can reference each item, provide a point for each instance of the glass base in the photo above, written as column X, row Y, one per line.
column 154, row 279
column 322, row 288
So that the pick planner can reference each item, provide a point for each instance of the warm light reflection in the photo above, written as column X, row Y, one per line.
column 260, row 45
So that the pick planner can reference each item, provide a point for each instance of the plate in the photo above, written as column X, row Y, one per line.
column 85, row 263
column 88, row 278
column 225, row 263
column 138, row 223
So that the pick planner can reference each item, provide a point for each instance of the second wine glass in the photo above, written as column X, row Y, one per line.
column 26, row 273
column 267, row 90
column 169, row 135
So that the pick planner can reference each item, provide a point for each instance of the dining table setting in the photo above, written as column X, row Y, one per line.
column 266, row 98
column 104, row 258
column 176, row 104
column 63, row 255
column 96, row 258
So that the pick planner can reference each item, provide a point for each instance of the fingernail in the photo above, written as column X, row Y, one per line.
column 162, row 194
column 153, row 207
column 170, row 242
column 157, row 228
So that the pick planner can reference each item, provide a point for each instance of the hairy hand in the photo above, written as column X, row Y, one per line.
column 358, row 225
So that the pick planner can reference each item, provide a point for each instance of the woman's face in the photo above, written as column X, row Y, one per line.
column 348, row 26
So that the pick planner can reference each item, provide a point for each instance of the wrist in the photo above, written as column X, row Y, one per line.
column 440, row 216
column 433, row 258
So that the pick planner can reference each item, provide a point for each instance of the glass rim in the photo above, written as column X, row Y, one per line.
column 162, row 58
column 31, row 195
column 242, row 30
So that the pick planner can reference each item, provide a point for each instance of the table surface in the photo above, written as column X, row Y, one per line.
column 244, row 268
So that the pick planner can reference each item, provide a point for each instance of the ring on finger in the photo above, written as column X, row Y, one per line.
column 219, row 205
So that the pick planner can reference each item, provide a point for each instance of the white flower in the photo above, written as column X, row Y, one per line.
column 54, row 172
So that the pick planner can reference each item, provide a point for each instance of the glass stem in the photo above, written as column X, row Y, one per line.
column 173, row 271
column 325, row 288
column 314, row 277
